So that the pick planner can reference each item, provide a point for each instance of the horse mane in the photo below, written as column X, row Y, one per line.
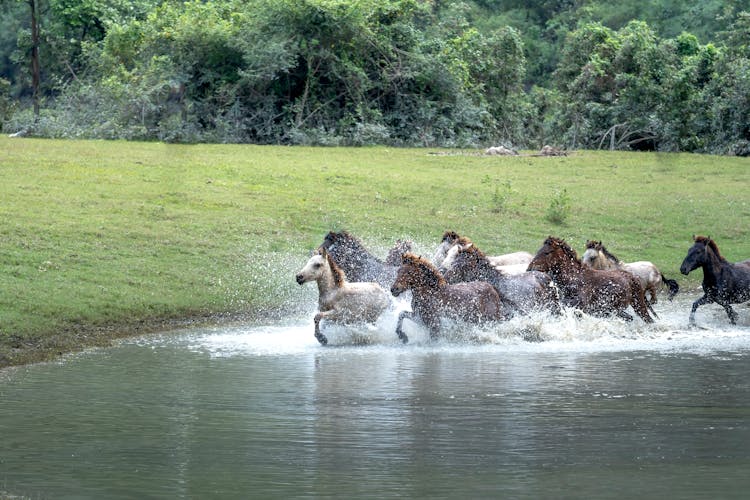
column 466, row 245
column 606, row 252
column 426, row 267
column 706, row 240
column 350, row 242
column 567, row 249
column 342, row 236
column 339, row 276
column 463, row 241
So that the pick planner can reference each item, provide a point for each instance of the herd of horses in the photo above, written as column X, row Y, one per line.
column 461, row 282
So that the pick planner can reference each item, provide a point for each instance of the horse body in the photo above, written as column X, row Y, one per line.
column 593, row 291
column 339, row 300
column 452, row 238
column 527, row 291
column 723, row 282
column 358, row 263
column 433, row 298
column 510, row 259
column 597, row 256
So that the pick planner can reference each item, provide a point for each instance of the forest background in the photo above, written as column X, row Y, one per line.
column 663, row 75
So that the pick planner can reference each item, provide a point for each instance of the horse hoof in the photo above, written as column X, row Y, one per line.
column 321, row 338
column 404, row 338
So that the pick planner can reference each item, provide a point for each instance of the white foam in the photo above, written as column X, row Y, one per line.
column 571, row 332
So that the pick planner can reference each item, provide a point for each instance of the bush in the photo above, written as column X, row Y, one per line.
column 559, row 207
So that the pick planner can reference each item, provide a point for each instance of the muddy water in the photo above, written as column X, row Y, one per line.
column 594, row 408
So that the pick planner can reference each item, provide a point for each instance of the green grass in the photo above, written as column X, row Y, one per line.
column 98, row 238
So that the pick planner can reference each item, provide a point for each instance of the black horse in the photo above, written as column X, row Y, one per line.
column 723, row 282
column 358, row 263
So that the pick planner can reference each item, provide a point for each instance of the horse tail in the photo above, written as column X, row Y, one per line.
column 640, row 306
column 673, row 286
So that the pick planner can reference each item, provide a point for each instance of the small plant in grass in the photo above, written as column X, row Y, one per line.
column 559, row 207
column 500, row 196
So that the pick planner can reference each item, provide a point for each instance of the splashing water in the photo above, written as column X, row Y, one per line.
column 541, row 332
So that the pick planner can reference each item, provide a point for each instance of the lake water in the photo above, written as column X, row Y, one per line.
column 596, row 409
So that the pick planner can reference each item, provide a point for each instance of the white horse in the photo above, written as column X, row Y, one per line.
column 340, row 301
column 510, row 263
column 597, row 256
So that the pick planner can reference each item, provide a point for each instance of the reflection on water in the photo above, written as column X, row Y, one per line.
column 599, row 408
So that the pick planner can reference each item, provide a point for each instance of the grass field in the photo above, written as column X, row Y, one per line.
column 99, row 239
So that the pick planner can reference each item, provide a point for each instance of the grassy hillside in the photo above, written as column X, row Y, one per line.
column 98, row 238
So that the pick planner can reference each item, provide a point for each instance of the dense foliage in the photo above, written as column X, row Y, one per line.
column 572, row 73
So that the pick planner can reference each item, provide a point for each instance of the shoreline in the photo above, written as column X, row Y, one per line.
column 46, row 348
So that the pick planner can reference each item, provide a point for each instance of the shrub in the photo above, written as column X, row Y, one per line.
column 559, row 207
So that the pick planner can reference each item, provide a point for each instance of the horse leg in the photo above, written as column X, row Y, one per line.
column 703, row 300
column 730, row 312
column 651, row 289
column 399, row 329
column 639, row 303
column 651, row 310
column 434, row 331
column 318, row 335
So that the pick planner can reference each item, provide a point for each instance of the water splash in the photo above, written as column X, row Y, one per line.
column 570, row 332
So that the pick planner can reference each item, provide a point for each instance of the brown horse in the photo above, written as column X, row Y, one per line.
column 528, row 291
column 592, row 291
column 433, row 298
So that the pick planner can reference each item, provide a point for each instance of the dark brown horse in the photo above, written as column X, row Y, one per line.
column 723, row 282
column 592, row 291
column 433, row 298
column 528, row 291
column 356, row 261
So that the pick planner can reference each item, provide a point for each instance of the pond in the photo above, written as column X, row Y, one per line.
column 596, row 408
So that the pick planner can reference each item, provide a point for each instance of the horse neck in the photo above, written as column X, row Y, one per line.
column 712, row 266
column 326, row 284
column 424, row 289
column 606, row 261
column 567, row 272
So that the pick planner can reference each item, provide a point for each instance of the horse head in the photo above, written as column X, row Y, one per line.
column 704, row 251
column 320, row 265
column 313, row 269
column 446, row 243
column 466, row 262
column 591, row 254
column 593, row 244
column 554, row 256
column 415, row 273
column 598, row 257
column 450, row 237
